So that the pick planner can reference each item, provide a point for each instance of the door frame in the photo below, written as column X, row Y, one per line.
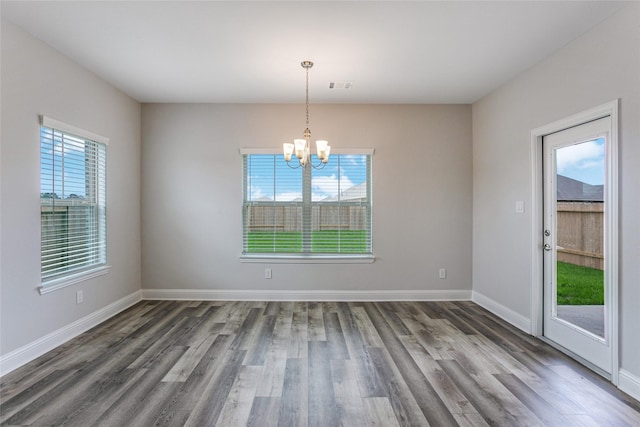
column 611, row 219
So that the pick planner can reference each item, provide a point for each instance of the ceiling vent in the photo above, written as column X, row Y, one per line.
column 340, row 85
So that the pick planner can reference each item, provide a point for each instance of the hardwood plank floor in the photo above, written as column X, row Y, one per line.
column 309, row 364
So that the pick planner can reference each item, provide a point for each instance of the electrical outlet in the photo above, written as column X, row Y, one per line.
column 79, row 297
column 443, row 273
column 267, row 273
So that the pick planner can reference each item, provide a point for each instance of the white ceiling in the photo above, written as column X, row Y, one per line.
column 393, row 52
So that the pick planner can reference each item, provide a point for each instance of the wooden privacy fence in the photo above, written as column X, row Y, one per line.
column 289, row 218
column 581, row 233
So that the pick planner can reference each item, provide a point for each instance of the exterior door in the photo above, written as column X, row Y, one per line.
column 576, row 292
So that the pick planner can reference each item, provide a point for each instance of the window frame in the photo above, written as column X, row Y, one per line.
column 307, row 257
column 97, row 179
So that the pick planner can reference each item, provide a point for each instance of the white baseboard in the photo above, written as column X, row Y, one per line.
column 279, row 295
column 27, row 353
column 629, row 383
column 516, row 319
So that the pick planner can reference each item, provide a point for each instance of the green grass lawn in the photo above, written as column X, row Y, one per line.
column 327, row 241
column 579, row 285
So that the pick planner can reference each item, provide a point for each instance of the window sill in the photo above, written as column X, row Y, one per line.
column 308, row 259
column 63, row 282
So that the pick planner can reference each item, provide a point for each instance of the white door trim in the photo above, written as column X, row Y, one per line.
column 611, row 218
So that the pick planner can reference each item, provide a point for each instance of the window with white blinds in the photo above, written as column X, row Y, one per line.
column 72, row 203
column 307, row 212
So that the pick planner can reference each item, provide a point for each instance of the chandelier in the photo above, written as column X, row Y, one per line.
column 301, row 147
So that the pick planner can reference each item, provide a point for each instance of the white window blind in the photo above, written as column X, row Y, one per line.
column 72, row 203
column 307, row 212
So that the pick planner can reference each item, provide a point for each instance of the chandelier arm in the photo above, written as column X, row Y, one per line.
column 321, row 165
column 295, row 167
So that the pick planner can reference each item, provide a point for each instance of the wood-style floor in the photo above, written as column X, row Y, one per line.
column 309, row 364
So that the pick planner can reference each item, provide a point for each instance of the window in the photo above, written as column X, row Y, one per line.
column 306, row 212
column 72, row 202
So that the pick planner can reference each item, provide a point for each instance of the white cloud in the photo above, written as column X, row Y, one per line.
column 355, row 160
column 288, row 196
column 581, row 156
column 324, row 186
column 256, row 192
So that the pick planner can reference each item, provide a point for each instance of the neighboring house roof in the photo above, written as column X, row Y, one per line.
column 570, row 189
column 270, row 199
column 352, row 193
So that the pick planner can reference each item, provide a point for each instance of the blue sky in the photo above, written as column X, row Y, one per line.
column 341, row 173
column 583, row 161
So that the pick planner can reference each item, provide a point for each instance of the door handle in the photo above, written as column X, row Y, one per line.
column 547, row 247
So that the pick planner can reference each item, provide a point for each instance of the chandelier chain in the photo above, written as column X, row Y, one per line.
column 307, row 97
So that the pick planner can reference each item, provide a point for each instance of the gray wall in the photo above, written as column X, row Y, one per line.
column 192, row 195
column 37, row 80
column 429, row 187
column 602, row 65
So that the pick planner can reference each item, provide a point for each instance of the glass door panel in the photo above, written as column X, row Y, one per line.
column 579, row 293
